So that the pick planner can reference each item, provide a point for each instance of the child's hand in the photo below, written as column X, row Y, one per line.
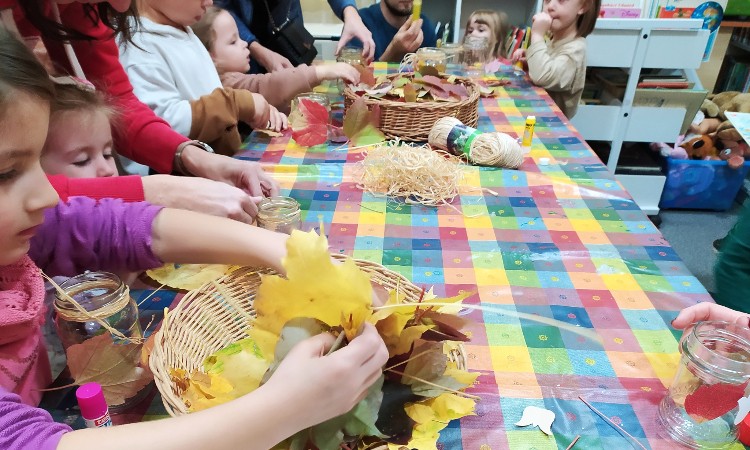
column 277, row 120
column 541, row 23
column 518, row 55
column 262, row 114
column 323, row 387
column 337, row 70
column 709, row 311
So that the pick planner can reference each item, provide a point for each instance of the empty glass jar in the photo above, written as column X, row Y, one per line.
column 351, row 55
column 452, row 52
column 475, row 55
column 430, row 57
column 280, row 214
column 701, row 407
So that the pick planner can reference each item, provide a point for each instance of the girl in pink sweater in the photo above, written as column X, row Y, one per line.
column 65, row 239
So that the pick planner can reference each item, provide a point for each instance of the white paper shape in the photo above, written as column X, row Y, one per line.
column 744, row 404
column 538, row 417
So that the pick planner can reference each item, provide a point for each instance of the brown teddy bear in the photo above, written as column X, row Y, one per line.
column 723, row 133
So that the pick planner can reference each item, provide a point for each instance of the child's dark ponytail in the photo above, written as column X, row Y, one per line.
column 20, row 71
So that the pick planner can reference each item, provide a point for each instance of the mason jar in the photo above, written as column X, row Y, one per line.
column 430, row 57
column 351, row 55
column 700, row 409
column 104, row 297
column 452, row 52
column 280, row 214
column 475, row 55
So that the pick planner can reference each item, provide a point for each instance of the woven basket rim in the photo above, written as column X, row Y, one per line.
column 164, row 344
column 470, row 84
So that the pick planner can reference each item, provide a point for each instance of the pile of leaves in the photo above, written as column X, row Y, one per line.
column 411, row 88
column 310, row 125
column 421, row 389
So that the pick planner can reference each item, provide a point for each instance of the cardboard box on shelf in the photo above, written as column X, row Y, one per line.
column 690, row 99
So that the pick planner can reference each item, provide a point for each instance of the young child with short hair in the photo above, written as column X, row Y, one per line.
column 173, row 74
column 559, row 66
column 85, row 234
column 79, row 141
column 490, row 25
column 218, row 32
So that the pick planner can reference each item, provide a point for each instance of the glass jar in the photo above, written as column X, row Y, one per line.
column 475, row 55
column 316, row 97
column 280, row 214
column 430, row 57
column 452, row 52
column 350, row 55
column 701, row 407
column 105, row 297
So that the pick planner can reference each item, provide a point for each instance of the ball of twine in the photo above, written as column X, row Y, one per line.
column 485, row 149
column 417, row 174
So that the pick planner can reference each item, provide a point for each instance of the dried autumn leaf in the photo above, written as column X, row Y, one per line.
column 432, row 415
column 365, row 74
column 360, row 124
column 311, row 135
column 315, row 287
column 309, row 123
column 269, row 133
column 114, row 366
column 189, row 276
column 428, row 70
column 400, row 82
column 410, row 93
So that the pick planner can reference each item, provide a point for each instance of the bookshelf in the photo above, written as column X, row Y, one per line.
column 633, row 45
column 734, row 74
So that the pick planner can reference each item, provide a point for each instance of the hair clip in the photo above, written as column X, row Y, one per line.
column 80, row 83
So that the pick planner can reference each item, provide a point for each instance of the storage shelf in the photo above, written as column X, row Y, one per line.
column 740, row 45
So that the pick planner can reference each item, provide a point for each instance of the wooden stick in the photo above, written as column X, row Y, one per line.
column 475, row 397
column 573, row 443
column 620, row 429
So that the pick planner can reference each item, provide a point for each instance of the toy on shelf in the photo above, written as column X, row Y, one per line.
column 729, row 144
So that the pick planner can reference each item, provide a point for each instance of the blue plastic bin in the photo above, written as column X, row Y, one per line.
column 696, row 184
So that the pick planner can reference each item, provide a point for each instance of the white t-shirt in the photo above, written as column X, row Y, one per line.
column 170, row 68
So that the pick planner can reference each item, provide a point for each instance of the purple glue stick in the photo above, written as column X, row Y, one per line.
column 93, row 406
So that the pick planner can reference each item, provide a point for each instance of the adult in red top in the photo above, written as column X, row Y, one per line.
column 144, row 137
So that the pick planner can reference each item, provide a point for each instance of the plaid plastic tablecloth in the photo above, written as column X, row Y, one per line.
column 562, row 240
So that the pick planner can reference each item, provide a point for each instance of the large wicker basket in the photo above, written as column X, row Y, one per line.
column 413, row 121
column 206, row 320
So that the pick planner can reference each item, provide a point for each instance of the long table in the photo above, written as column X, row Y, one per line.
column 561, row 240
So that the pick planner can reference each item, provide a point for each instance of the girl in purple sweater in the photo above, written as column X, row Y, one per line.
column 66, row 239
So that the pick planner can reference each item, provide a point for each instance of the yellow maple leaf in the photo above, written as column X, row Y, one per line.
column 432, row 415
column 314, row 287
column 189, row 276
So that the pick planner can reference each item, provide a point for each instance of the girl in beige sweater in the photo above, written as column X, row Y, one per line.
column 559, row 66
column 231, row 56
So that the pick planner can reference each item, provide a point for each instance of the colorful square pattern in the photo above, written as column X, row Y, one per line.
column 561, row 241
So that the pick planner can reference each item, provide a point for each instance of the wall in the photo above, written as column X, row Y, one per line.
column 708, row 72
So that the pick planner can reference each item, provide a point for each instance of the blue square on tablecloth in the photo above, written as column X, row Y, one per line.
column 643, row 319
column 553, row 280
column 327, row 196
column 590, row 363
column 572, row 315
column 621, row 414
column 662, row 253
column 427, row 275
column 495, row 314
column 426, row 244
column 427, row 258
column 368, row 243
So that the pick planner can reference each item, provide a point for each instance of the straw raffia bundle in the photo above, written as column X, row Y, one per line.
column 484, row 149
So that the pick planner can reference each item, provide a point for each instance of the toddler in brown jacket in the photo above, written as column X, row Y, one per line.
column 231, row 56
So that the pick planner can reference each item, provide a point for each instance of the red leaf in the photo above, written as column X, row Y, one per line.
column 314, row 112
column 430, row 80
column 709, row 402
column 311, row 135
column 366, row 75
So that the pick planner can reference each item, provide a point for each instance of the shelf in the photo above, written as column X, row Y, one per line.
column 739, row 45
column 645, row 124
column 735, row 24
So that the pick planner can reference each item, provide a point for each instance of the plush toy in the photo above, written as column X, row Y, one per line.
column 700, row 147
column 715, row 124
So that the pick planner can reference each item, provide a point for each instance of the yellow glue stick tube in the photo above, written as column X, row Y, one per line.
column 416, row 9
column 528, row 131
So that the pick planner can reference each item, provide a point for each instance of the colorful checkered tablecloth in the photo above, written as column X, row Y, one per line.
column 562, row 240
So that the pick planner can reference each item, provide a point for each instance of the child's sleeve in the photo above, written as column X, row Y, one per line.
column 23, row 427
column 554, row 73
column 86, row 234
column 279, row 87
column 216, row 115
column 128, row 188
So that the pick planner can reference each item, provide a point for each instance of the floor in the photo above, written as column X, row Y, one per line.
column 691, row 234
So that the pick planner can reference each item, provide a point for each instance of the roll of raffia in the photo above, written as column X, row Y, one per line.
column 484, row 149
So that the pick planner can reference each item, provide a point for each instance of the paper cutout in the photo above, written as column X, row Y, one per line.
column 538, row 417
column 744, row 405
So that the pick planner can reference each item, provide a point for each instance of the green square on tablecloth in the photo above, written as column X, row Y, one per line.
column 487, row 260
column 543, row 336
column 500, row 210
column 656, row 341
column 504, row 223
column 613, row 227
column 642, row 267
column 523, row 278
column 503, row 335
column 653, row 283
column 517, row 261
column 551, row 361
column 529, row 438
column 375, row 256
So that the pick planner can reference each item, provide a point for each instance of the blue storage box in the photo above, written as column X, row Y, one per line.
column 697, row 184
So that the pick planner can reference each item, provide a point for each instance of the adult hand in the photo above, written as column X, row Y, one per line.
column 355, row 28
column 540, row 24
column 338, row 70
column 408, row 39
column 709, row 311
column 328, row 386
column 201, row 195
column 245, row 175
column 267, row 58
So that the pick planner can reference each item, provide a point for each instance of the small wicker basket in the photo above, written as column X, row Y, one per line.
column 210, row 318
column 413, row 121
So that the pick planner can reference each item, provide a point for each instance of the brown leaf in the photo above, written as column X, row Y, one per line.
column 114, row 366
column 429, row 70
column 269, row 133
column 410, row 94
column 365, row 74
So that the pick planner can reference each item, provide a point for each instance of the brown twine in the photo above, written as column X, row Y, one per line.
column 69, row 309
column 416, row 173
column 488, row 149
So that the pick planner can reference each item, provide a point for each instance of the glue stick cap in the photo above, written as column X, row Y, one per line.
column 743, row 430
column 530, row 120
column 91, row 400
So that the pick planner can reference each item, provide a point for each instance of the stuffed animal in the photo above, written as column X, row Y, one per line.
column 700, row 147
column 716, row 125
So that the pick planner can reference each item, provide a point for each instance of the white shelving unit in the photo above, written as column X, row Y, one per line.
column 635, row 44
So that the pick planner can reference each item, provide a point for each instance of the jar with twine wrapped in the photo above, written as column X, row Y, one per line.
column 484, row 149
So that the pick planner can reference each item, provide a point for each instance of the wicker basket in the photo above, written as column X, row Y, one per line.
column 206, row 321
column 413, row 121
